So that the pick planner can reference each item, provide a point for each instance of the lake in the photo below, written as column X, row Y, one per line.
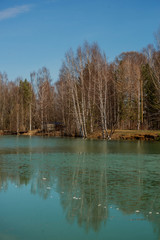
column 62, row 188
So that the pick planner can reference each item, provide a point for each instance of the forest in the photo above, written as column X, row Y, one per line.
column 90, row 95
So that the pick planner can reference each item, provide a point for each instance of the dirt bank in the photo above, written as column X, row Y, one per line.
column 118, row 134
column 130, row 135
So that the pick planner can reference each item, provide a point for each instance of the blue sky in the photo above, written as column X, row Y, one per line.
column 37, row 33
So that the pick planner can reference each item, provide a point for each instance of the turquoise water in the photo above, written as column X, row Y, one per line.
column 55, row 188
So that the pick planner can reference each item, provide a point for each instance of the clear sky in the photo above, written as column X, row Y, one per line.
column 37, row 33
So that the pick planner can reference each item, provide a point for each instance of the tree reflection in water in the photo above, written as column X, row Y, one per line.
column 88, row 184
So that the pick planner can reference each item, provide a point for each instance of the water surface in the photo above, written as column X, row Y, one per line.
column 55, row 188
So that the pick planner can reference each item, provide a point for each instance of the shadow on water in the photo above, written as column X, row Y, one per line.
column 90, row 176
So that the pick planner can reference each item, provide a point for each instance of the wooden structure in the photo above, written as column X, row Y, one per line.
column 53, row 126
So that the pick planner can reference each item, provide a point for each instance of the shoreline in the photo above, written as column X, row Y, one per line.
column 145, row 135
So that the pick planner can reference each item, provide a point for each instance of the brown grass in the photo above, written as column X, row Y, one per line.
column 118, row 134
column 129, row 135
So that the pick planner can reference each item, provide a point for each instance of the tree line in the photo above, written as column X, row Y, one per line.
column 90, row 95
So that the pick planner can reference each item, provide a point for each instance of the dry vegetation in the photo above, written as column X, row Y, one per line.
column 130, row 135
